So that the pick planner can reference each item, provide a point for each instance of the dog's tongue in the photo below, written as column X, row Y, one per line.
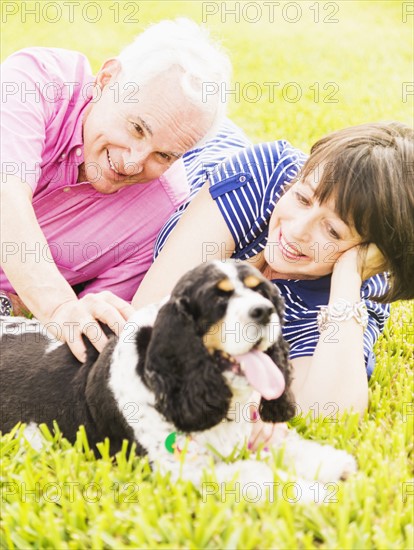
column 262, row 373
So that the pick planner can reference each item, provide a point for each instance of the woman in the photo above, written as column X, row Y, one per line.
column 323, row 229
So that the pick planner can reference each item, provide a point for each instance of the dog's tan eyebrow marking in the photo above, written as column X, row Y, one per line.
column 251, row 281
column 225, row 285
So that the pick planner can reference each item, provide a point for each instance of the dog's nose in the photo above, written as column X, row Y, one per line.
column 261, row 314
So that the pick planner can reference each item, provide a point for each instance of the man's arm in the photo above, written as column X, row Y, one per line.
column 39, row 283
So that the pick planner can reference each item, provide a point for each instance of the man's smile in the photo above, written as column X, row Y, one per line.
column 112, row 164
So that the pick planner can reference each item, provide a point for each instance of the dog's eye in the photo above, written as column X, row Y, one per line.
column 261, row 288
column 222, row 292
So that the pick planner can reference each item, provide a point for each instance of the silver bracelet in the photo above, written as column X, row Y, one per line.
column 342, row 310
column 6, row 308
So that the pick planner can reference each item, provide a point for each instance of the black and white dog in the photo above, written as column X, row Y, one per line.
column 173, row 381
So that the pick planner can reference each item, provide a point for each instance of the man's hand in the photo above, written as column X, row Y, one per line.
column 75, row 317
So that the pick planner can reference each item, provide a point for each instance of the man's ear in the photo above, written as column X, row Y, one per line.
column 109, row 70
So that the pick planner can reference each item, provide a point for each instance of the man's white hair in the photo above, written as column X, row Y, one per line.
column 180, row 44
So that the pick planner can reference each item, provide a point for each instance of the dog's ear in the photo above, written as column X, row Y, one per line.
column 188, row 384
column 283, row 408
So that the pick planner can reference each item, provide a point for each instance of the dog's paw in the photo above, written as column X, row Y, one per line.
column 297, row 490
column 245, row 471
column 251, row 480
column 33, row 436
column 254, row 481
column 312, row 460
column 347, row 465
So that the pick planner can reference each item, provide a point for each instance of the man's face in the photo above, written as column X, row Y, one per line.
column 306, row 237
column 133, row 134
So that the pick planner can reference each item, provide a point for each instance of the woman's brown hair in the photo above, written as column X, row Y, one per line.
column 369, row 172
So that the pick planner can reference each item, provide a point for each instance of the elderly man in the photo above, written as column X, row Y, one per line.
column 90, row 169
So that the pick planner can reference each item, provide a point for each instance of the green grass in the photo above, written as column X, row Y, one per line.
column 62, row 497
column 96, row 504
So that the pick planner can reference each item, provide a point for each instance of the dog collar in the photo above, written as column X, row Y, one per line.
column 178, row 443
column 170, row 442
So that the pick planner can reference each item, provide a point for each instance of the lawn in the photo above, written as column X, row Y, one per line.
column 301, row 69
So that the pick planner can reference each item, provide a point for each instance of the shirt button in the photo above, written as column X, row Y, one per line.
column 78, row 152
column 242, row 179
column 63, row 155
column 66, row 189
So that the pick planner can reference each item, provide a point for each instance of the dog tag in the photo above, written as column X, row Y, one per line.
column 170, row 442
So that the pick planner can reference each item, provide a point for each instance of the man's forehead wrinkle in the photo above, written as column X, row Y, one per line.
column 148, row 128
column 173, row 154
column 145, row 125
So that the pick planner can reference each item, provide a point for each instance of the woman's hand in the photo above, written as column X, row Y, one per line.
column 264, row 433
column 366, row 260
column 74, row 318
column 267, row 434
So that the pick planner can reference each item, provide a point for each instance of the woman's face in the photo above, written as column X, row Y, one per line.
column 306, row 237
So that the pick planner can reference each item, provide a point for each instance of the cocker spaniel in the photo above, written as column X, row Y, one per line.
column 173, row 381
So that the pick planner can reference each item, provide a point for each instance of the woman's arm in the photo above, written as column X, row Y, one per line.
column 200, row 235
column 334, row 379
column 335, row 376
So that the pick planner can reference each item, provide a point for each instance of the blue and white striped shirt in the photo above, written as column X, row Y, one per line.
column 246, row 188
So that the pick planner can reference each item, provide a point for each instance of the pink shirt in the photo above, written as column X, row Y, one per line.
column 105, row 241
